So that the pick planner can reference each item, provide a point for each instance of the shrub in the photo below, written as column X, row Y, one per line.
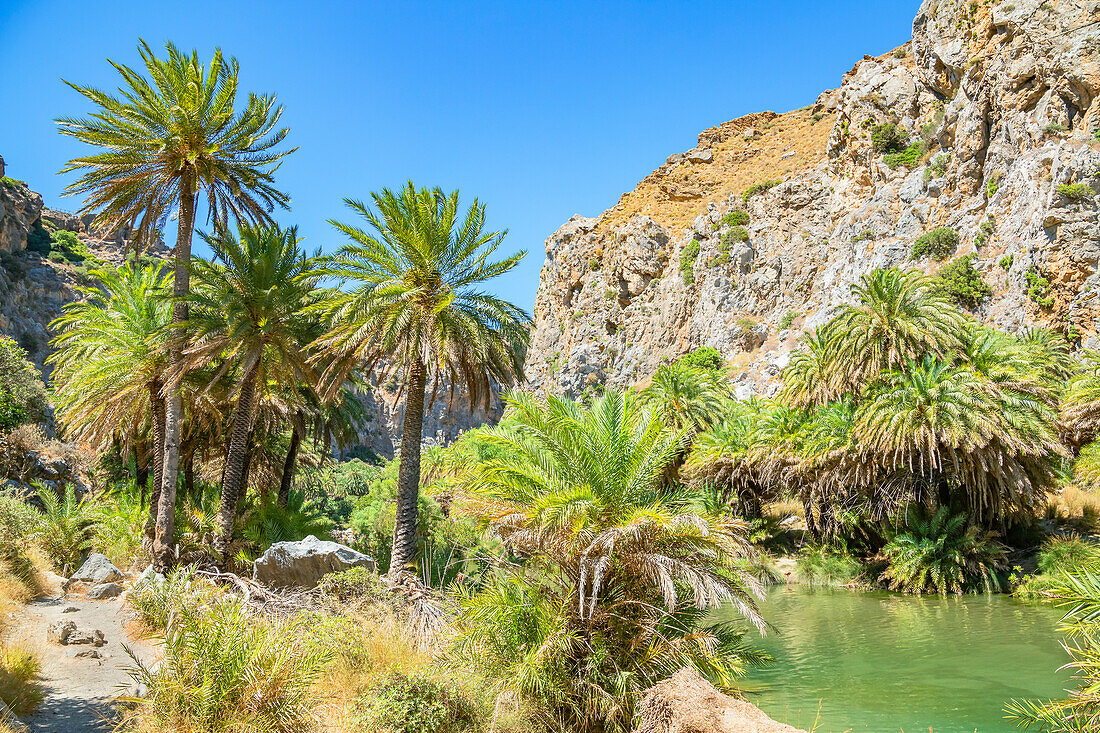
column 705, row 357
column 758, row 188
column 962, row 283
column 21, row 388
column 864, row 235
column 788, row 319
column 70, row 246
column 824, row 565
column 937, row 244
column 19, row 688
column 67, row 528
column 735, row 235
column 1056, row 557
column 38, row 239
column 735, row 218
column 418, row 704
column 687, row 261
column 156, row 601
column 12, row 182
column 909, row 157
column 57, row 257
column 1055, row 127
column 936, row 168
column 1075, row 192
column 225, row 670
column 593, row 264
column 941, row 553
column 1005, row 262
column 888, row 138
column 816, row 117
column 1038, row 287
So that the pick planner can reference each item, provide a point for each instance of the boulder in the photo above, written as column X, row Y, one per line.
column 59, row 633
column 93, row 637
column 687, row 703
column 103, row 591
column 97, row 569
column 304, row 563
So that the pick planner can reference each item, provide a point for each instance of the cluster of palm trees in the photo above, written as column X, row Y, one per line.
column 901, row 398
column 219, row 369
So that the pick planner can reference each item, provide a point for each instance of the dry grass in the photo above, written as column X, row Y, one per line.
column 19, row 687
column 1077, row 507
column 738, row 163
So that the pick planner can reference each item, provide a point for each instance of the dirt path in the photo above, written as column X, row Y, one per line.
column 79, row 691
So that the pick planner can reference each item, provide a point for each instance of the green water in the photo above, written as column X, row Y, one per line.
column 886, row 663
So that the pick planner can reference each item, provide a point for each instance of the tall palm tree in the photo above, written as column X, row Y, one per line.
column 897, row 316
column 168, row 139
column 809, row 378
column 110, row 361
column 250, row 314
column 416, row 306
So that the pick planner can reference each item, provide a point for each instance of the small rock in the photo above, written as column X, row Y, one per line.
column 97, row 569
column 88, row 654
column 104, row 591
column 786, row 155
column 70, row 609
column 81, row 636
column 59, row 633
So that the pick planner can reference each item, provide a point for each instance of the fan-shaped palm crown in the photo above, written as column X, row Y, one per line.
column 685, row 398
column 177, row 131
column 898, row 316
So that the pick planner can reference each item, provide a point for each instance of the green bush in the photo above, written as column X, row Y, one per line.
column 22, row 393
column 1076, row 192
column 864, row 235
column 888, row 138
column 1005, row 262
column 735, row 218
column 705, row 357
column 937, row 244
column 1055, row 127
column 909, row 157
column 1056, row 557
column 937, row 167
column 1038, row 287
column 962, row 283
column 12, row 182
column 687, row 261
column 758, row 188
column 824, row 565
column 417, row 704
column 38, row 239
column 788, row 319
column 735, row 235
column 942, row 553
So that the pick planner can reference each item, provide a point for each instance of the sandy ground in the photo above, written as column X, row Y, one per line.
column 79, row 691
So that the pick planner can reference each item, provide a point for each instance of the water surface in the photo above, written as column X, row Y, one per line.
column 886, row 663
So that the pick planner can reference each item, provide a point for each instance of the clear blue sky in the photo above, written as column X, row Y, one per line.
column 540, row 109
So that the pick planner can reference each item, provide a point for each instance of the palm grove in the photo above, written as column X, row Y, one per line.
column 912, row 438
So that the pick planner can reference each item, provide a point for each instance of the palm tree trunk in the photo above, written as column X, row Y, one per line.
column 235, row 455
column 288, row 467
column 164, row 545
column 189, row 474
column 408, row 473
column 156, row 400
column 141, row 469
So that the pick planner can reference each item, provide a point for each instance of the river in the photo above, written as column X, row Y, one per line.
column 876, row 661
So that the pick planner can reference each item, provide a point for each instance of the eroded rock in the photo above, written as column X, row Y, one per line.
column 305, row 562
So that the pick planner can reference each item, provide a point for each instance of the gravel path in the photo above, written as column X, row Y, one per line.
column 79, row 691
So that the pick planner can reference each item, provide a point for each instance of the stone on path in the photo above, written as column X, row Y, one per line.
column 97, row 569
column 104, row 591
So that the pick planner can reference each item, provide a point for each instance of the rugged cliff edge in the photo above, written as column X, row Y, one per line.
column 997, row 106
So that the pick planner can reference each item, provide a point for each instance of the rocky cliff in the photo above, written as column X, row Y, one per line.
column 985, row 123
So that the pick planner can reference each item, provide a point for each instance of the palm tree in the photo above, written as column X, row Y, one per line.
column 110, row 360
column 415, row 306
column 809, row 377
column 1081, row 402
column 898, row 316
column 169, row 138
column 249, row 313
column 622, row 565
column 948, row 427
column 687, row 399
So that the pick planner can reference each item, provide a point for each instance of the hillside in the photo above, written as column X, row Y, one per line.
column 994, row 117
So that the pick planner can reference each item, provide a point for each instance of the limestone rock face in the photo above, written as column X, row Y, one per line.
column 1002, row 105
column 687, row 703
column 302, row 564
column 19, row 209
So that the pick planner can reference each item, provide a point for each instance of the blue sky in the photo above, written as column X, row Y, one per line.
column 540, row 109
